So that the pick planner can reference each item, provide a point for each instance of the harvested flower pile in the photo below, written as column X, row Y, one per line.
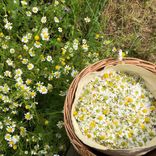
column 117, row 110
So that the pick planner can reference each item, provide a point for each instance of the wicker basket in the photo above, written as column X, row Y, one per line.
column 81, row 148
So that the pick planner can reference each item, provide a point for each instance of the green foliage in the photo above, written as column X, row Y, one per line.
column 43, row 46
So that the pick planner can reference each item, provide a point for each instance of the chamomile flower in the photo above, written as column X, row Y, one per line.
column 56, row 20
column 35, row 10
column 30, row 66
column 33, row 94
column 84, row 41
column 31, row 52
column 25, row 47
column 8, row 137
column 74, row 73
column 49, row 58
column 85, row 47
column 18, row 72
column 59, row 29
column 28, row 116
column 8, row 26
column 37, row 44
column 6, row 89
column 26, row 152
column 25, row 39
column 87, row 19
column 57, row 74
column 45, row 34
column 12, row 50
column 43, row 90
column 4, row 46
column 10, row 129
column 56, row 3
column 44, row 19
column 60, row 124
column 29, row 35
column 67, row 69
column 11, row 143
column 28, row 81
column 15, row 138
column 9, row 62
column 5, row 20
column 114, row 49
column 18, row 80
column 7, row 37
column 25, row 61
column 75, row 44
column 28, row 13
column 7, row 74
column 34, row 29
column 24, row 3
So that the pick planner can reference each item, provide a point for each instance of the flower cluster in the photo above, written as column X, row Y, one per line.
column 117, row 110
column 42, row 49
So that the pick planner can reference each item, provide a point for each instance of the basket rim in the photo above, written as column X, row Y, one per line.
column 81, row 148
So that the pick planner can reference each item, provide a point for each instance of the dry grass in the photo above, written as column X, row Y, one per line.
column 132, row 25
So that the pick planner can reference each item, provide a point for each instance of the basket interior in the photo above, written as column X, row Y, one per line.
column 81, row 148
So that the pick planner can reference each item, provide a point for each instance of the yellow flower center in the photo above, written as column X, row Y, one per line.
column 37, row 38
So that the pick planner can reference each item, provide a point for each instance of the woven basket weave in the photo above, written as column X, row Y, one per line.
column 81, row 148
